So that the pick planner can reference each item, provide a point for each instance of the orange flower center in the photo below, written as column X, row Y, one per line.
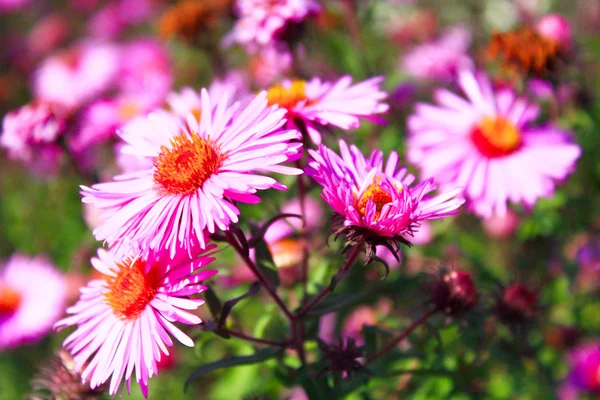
column 128, row 110
column 379, row 196
column 132, row 289
column 496, row 137
column 197, row 113
column 286, row 252
column 183, row 169
column 523, row 49
column 10, row 300
column 287, row 96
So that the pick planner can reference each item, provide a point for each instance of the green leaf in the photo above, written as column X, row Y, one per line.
column 229, row 304
column 264, row 262
column 258, row 357
column 316, row 388
column 213, row 302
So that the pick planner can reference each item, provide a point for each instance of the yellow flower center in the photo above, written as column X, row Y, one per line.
column 287, row 96
column 183, row 169
column 10, row 300
column 132, row 289
column 496, row 137
column 379, row 197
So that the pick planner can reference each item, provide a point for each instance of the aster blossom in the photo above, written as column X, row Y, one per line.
column 373, row 200
column 32, row 299
column 126, row 319
column 315, row 103
column 199, row 169
column 488, row 144
column 584, row 376
column 262, row 21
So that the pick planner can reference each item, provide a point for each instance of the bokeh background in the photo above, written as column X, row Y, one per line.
column 548, row 248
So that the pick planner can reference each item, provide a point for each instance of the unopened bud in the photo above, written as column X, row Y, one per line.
column 454, row 292
column 517, row 304
column 556, row 27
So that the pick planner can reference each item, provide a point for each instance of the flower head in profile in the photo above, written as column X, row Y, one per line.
column 584, row 376
column 315, row 103
column 199, row 170
column 440, row 59
column 262, row 22
column 125, row 320
column 488, row 144
column 77, row 75
column 32, row 299
column 373, row 200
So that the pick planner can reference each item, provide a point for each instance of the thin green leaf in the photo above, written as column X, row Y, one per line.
column 258, row 357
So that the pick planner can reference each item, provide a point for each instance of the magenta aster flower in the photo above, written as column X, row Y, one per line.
column 584, row 377
column 125, row 320
column 199, row 170
column 32, row 299
column 441, row 58
column 262, row 21
column 488, row 144
column 77, row 75
column 341, row 104
column 32, row 128
column 373, row 200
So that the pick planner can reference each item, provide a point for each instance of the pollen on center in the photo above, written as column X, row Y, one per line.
column 287, row 96
column 183, row 168
column 496, row 137
column 132, row 289
column 376, row 194
column 10, row 300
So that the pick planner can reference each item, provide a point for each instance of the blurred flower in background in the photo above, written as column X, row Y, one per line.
column 32, row 298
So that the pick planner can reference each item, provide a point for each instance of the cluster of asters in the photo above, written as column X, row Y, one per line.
column 211, row 150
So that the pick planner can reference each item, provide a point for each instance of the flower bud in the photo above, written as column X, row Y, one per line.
column 517, row 304
column 454, row 292
column 501, row 226
column 556, row 27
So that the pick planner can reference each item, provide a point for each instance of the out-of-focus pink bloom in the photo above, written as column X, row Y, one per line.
column 298, row 393
column 199, row 170
column 442, row 58
column 125, row 320
column 588, row 255
column 403, row 95
column 188, row 101
column 390, row 258
column 110, row 21
column 557, row 28
column 488, row 144
column 31, row 130
column 100, row 121
column 374, row 199
column 327, row 327
column 146, row 70
column 13, row 5
column 270, row 64
column 501, row 226
column 339, row 104
column 78, row 75
column 48, row 34
column 282, row 228
column 354, row 323
column 540, row 88
column 584, row 376
column 262, row 21
column 32, row 298
column 92, row 216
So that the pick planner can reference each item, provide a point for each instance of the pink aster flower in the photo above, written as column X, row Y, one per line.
column 31, row 133
column 584, row 377
column 126, row 319
column 32, row 299
column 262, row 21
column 488, row 144
column 199, row 170
column 440, row 59
column 78, row 75
column 146, row 70
column 374, row 201
column 341, row 104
